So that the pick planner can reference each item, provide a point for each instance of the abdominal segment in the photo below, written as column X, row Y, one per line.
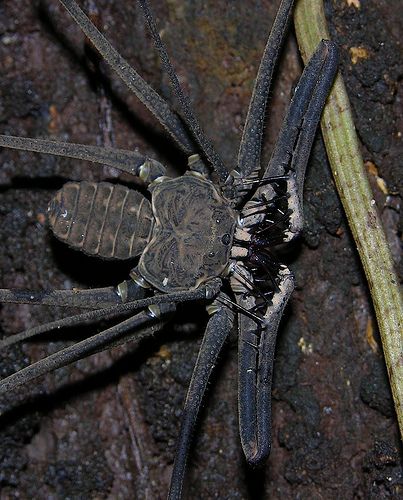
column 101, row 219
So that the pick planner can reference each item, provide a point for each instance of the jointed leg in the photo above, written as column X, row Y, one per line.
column 218, row 328
column 96, row 298
column 86, row 347
column 131, row 162
column 251, row 143
column 147, row 95
column 207, row 291
column 188, row 114
column 93, row 298
column 112, row 336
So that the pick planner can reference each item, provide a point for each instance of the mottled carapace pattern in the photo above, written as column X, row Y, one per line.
column 192, row 236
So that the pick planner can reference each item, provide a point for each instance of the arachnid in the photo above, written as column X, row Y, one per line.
column 203, row 236
column 278, row 187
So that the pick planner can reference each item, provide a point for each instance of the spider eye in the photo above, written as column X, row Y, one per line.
column 226, row 239
column 211, row 254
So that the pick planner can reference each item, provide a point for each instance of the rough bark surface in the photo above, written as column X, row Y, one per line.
column 106, row 426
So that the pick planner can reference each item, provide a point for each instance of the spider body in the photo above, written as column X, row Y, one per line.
column 197, row 229
column 184, row 236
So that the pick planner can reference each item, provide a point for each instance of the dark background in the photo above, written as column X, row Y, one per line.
column 106, row 427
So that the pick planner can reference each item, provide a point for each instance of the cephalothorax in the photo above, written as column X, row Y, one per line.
column 207, row 235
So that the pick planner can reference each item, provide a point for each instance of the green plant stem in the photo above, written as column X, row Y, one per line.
column 356, row 196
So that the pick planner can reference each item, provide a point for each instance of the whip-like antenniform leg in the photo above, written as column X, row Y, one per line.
column 188, row 115
column 147, row 95
column 132, row 162
column 95, row 298
column 251, row 142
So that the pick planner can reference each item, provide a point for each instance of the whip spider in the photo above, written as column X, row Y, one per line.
column 207, row 236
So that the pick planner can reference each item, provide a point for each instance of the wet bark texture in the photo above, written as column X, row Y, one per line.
column 106, row 426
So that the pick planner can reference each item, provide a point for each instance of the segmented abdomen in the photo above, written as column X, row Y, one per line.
column 101, row 219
